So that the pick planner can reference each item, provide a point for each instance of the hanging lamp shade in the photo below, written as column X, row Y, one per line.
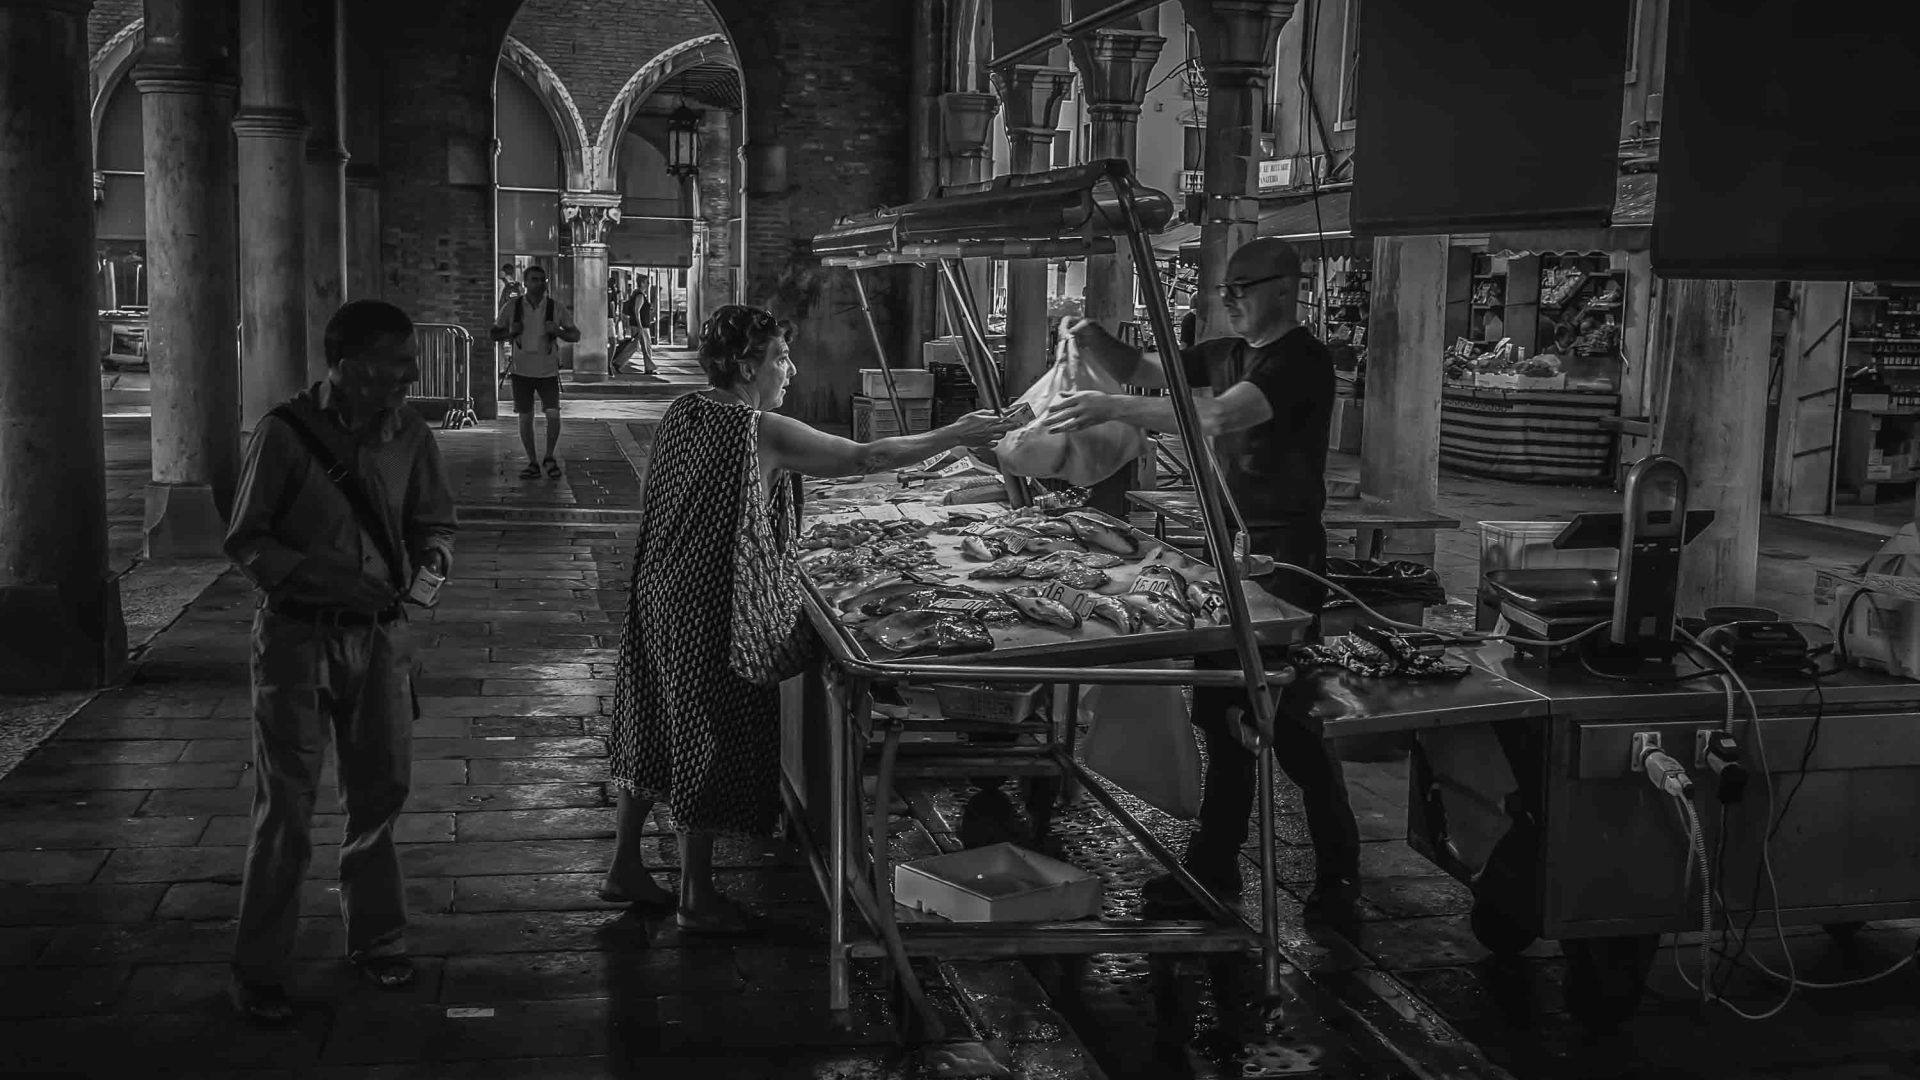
column 683, row 141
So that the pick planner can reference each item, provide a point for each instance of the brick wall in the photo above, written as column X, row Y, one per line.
column 595, row 46
column 107, row 17
column 837, row 101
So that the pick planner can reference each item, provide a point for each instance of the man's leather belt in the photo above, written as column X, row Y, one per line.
column 295, row 609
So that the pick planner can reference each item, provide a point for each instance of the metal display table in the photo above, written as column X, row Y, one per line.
column 834, row 738
column 1370, row 521
column 1522, row 786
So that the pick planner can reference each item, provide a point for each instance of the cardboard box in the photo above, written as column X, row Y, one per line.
column 1879, row 472
column 999, row 883
column 1870, row 402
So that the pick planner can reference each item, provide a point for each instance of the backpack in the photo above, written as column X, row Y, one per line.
column 519, row 314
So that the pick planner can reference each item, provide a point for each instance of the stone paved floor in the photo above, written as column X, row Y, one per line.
column 120, row 843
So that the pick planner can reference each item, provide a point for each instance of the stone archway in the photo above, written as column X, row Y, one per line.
column 109, row 67
column 689, row 54
column 577, row 153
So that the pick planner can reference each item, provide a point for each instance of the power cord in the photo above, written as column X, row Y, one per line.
column 1470, row 637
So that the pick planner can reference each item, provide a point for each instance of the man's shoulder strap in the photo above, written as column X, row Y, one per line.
column 548, row 315
column 300, row 415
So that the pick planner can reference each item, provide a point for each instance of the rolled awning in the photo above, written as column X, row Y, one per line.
column 1046, row 215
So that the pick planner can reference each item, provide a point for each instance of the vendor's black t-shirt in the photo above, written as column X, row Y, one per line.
column 1277, row 471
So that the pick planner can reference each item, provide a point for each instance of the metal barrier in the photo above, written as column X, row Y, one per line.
column 446, row 371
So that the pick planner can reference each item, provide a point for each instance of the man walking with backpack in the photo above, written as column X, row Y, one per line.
column 343, row 509
column 536, row 324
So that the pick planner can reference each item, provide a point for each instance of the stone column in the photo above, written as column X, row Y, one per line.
column 185, row 77
column 588, row 215
column 1810, row 366
column 718, row 191
column 1115, row 67
column 966, row 126
column 273, row 245
column 326, row 176
column 1236, row 44
column 1715, row 335
column 1032, row 94
column 1406, row 338
column 60, row 622
column 360, row 130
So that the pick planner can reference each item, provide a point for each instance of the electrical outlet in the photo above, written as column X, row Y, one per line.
column 1644, row 742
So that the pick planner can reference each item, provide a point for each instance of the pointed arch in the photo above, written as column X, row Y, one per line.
column 110, row 66
column 711, row 48
column 574, row 148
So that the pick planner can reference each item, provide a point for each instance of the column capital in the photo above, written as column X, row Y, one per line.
column 589, row 214
column 966, row 118
column 257, row 123
column 1116, row 65
column 322, row 152
column 164, row 78
column 1032, row 94
column 1237, row 37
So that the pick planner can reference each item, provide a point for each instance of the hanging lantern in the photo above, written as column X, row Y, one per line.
column 683, row 141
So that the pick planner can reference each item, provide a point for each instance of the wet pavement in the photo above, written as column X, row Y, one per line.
column 121, row 839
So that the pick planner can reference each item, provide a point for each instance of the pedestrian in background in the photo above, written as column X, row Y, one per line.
column 536, row 324
column 343, row 508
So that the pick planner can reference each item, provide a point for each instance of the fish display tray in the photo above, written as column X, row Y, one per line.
column 1094, row 643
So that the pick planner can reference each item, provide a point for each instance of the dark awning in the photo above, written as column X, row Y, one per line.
column 1631, row 229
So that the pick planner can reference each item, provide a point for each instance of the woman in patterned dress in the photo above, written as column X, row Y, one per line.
column 688, row 730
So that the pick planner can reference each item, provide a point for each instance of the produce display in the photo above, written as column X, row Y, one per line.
column 919, row 588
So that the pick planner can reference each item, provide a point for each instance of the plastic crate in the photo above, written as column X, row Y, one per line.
column 875, row 419
column 993, row 704
column 908, row 382
column 1528, row 545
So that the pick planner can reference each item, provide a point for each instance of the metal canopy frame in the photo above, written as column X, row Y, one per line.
column 1086, row 209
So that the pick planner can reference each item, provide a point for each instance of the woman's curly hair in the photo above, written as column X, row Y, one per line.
column 734, row 340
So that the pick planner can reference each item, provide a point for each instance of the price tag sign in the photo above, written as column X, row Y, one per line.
column 1078, row 601
column 958, row 606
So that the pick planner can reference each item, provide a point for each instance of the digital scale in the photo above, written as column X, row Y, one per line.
column 1635, row 600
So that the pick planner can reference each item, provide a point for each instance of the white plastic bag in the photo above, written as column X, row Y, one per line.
column 1142, row 740
column 1081, row 458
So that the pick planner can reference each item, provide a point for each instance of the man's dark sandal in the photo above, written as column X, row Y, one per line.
column 531, row 472
column 385, row 972
column 262, row 1003
column 553, row 469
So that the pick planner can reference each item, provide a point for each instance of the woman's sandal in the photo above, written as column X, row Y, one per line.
column 553, row 469
column 659, row 905
column 729, row 921
column 262, row 1003
column 385, row 972
column 531, row 472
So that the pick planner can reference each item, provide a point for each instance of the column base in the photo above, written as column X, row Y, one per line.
column 590, row 371
column 53, row 639
column 182, row 522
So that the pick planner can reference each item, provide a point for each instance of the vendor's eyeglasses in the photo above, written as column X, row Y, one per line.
column 1234, row 290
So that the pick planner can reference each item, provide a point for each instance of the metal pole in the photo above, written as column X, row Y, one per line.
column 839, row 991
column 961, row 315
column 1220, row 546
column 880, row 352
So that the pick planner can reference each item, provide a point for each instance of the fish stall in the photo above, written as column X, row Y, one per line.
column 957, row 600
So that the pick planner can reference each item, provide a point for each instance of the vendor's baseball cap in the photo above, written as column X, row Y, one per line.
column 1263, row 257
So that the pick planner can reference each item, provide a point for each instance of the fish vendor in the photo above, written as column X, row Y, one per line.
column 1271, row 401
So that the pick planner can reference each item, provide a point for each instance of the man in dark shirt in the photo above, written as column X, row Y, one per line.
column 333, row 654
column 1267, row 417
